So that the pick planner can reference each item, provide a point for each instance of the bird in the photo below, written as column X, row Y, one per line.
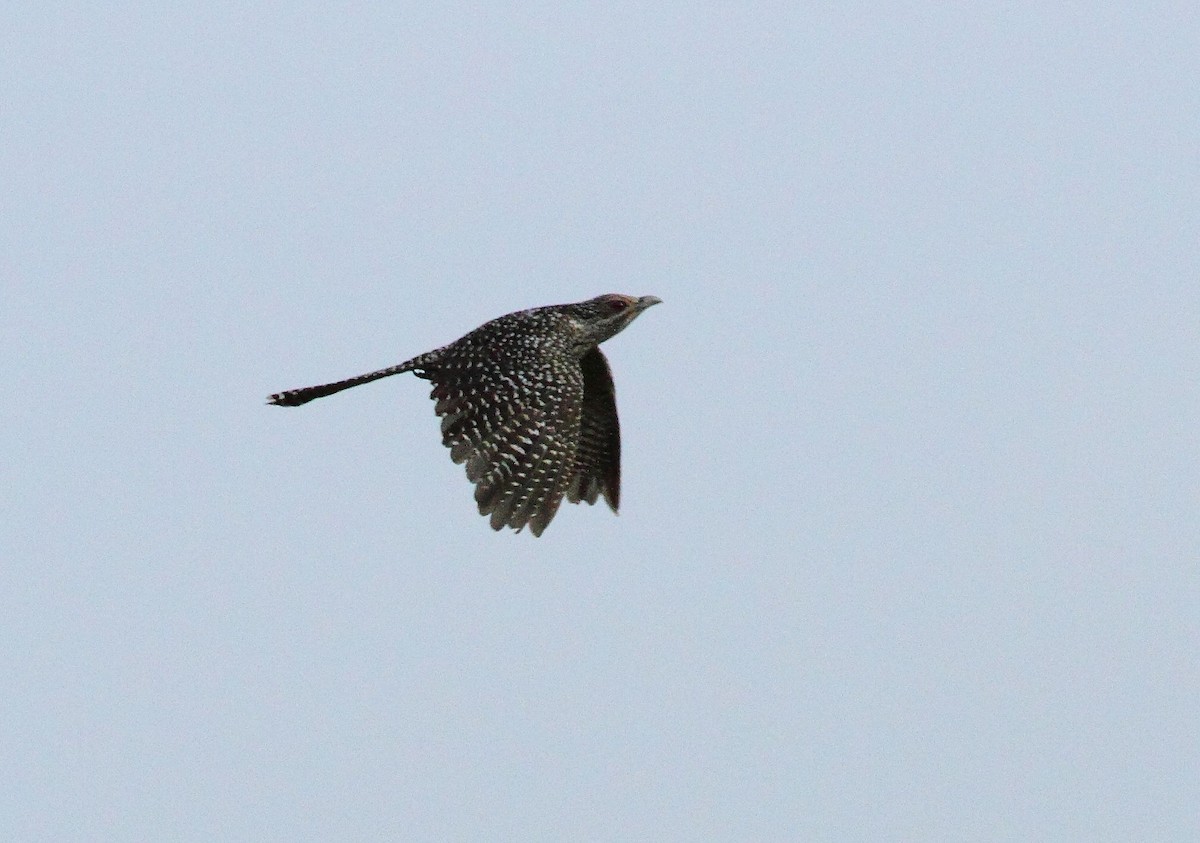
column 527, row 402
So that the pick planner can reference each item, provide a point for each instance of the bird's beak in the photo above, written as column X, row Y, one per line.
column 648, row 301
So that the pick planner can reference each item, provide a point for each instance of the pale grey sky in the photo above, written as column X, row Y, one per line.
column 909, row 547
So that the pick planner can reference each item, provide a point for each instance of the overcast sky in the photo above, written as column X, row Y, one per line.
column 909, row 545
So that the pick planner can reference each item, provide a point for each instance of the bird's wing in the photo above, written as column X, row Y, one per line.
column 516, row 428
column 597, row 468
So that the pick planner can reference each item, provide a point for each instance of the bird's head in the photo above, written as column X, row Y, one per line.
column 606, row 316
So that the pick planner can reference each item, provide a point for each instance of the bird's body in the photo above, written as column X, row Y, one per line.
column 527, row 402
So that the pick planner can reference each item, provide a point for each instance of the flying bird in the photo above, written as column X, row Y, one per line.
column 527, row 402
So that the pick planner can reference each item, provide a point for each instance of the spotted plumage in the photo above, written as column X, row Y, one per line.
column 527, row 403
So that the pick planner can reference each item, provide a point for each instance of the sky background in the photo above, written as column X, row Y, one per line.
column 909, row 547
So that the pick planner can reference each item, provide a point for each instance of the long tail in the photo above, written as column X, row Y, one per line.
column 296, row 397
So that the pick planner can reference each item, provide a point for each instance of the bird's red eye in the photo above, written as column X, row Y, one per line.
column 617, row 305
